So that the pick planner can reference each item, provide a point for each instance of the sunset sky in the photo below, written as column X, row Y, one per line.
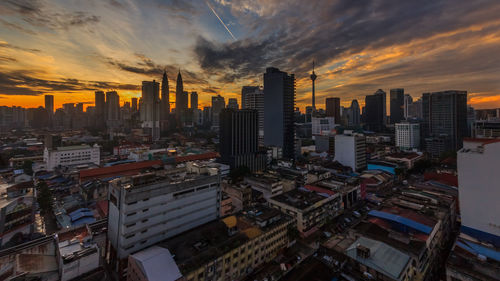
column 72, row 48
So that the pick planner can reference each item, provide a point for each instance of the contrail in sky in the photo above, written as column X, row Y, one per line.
column 215, row 13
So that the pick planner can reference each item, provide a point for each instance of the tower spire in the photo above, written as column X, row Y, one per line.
column 313, row 78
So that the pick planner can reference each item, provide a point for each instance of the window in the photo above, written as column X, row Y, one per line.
column 144, row 220
column 130, row 225
column 131, row 214
column 145, row 210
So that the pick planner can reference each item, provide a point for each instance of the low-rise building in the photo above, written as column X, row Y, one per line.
column 16, row 210
column 71, row 155
column 309, row 208
column 407, row 159
column 268, row 184
column 226, row 249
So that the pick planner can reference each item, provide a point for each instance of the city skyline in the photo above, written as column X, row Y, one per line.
column 71, row 49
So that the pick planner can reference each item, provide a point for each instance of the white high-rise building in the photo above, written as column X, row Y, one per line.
column 148, row 208
column 479, row 189
column 350, row 150
column 407, row 135
column 322, row 125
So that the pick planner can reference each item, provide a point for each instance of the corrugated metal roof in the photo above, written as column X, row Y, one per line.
column 383, row 258
column 479, row 249
column 401, row 220
column 157, row 264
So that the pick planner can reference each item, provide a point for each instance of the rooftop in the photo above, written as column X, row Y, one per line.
column 300, row 198
column 382, row 257
column 73, row 147
column 210, row 241
column 157, row 264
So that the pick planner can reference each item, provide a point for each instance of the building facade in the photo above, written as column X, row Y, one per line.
column 397, row 97
column 279, row 104
column 148, row 208
column 407, row 135
column 332, row 108
column 350, row 150
column 71, row 155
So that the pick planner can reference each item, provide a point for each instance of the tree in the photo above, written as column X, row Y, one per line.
column 44, row 197
column 28, row 167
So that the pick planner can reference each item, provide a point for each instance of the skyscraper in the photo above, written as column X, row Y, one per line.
column 134, row 105
column 445, row 121
column 397, row 97
column 100, row 107
column 150, row 108
column 112, row 106
column 239, row 131
column 194, row 100
column 355, row 116
column 247, row 90
column 181, row 101
column 279, row 104
column 232, row 103
column 255, row 100
column 218, row 104
column 49, row 104
column 408, row 100
column 332, row 106
column 165, row 97
column 313, row 78
column 374, row 111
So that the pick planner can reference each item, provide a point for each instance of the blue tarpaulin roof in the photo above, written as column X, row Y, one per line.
column 80, row 213
column 83, row 221
column 479, row 249
column 401, row 220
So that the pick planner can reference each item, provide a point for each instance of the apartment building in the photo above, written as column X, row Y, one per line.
column 226, row 249
column 148, row 208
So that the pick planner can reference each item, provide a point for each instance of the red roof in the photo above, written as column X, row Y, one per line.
column 320, row 189
column 483, row 141
column 78, row 233
column 202, row 156
column 117, row 170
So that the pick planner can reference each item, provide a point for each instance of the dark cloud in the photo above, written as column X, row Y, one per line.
column 26, row 83
column 16, row 27
column 37, row 14
column 291, row 36
column 147, row 67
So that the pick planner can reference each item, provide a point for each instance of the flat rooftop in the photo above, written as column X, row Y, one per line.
column 212, row 240
column 300, row 198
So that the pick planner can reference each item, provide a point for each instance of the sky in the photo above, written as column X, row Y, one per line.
column 71, row 48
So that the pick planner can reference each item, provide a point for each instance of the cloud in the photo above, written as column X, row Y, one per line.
column 26, row 83
column 146, row 66
column 36, row 13
column 14, row 47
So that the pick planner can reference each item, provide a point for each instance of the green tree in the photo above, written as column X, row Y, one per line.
column 28, row 167
column 44, row 197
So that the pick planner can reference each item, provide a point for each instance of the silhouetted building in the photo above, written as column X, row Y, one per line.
column 332, row 106
column 232, row 103
column 181, row 99
column 165, row 98
column 397, row 97
column 194, row 100
column 408, row 100
column 218, row 104
column 239, row 132
column 355, row 116
column 255, row 100
column 100, row 108
column 135, row 105
column 49, row 104
column 247, row 90
column 445, row 121
column 375, row 111
column 279, row 104
column 150, row 108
